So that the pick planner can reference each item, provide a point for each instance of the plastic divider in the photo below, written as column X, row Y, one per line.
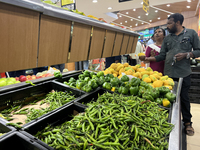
column 4, row 128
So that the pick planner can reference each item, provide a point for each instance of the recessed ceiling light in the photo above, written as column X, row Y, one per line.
column 168, row 5
column 134, row 9
column 158, row 18
column 138, row 16
column 120, row 22
column 136, row 24
column 120, row 16
column 146, row 14
column 94, row 1
column 189, row 1
column 156, row 11
column 130, row 26
column 188, row 6
column 142, row 23
column 131, row 19
column 109, row 7
column 125, row 21
column 126, row 12
column 141, row 2
column 168, row 15
column 150, row 20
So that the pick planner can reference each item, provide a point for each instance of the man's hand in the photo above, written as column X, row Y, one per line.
column 153, row 53
column 150, row 59
column 180, row 56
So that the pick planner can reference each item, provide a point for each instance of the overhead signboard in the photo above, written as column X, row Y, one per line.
column 70, row 4
column 124, row 1
column 146, row 6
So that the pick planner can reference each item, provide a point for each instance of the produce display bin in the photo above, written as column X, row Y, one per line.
column 4, row 128
column 18, row 96
column 56, row 118
column 16, row 140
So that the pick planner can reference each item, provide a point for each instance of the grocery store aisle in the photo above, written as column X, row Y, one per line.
column 193, row 142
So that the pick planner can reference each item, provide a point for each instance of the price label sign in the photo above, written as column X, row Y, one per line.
column 146, row 6
column 70, row 4
column 66, row 2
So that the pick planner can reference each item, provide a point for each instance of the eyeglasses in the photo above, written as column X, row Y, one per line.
column 174, row 60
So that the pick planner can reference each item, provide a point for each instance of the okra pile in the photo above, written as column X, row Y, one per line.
column 53, row 99
column 112, row 122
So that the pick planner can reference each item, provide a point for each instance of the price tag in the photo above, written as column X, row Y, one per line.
column 66, row 2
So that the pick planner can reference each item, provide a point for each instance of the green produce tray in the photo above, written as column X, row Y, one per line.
column 18, row 141
column 4, row 128
column 56, row 118
column 19, row 95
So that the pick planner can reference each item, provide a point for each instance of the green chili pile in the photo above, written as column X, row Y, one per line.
column 112, row 122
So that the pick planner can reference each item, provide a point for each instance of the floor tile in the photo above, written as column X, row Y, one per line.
column 193, row 147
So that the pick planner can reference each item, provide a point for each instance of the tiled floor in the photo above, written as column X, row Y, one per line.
column 193, row 142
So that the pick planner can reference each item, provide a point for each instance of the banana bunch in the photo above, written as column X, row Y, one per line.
column 141, row 54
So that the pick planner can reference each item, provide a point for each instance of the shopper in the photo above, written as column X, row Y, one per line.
column 151, row 40
column 154, row 50
column 176, row 50
column 133, row 57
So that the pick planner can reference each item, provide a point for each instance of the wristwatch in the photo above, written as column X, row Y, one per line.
column 188, row 55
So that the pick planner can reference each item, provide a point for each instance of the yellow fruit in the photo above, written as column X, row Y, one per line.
column 164, row 78
column 141, row 69
column 139, row 75
column 134, row 67
column 113, row 65
column 121, row 70
column 113, row 89
column 148, row 80
column 151, row 72
column 120, row 76
column 126, row 64
column 166, row 102
column 156, row 75
column 151, row 84
column 114, row 74
column 158, row 83
column 119, row 67
column 153, row 78
column 160, row 74
column 111, row 70
column 144, row 76
column 155, row 71
column 144, row 72
column 129, row 72
column 141, row 54
column 135, row 74
column 168, row 86
column 170, row 79
column 149, row 69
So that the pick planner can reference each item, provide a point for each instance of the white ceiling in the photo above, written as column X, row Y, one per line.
column 100, row 8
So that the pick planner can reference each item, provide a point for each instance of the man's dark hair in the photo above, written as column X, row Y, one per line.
column 177, row 17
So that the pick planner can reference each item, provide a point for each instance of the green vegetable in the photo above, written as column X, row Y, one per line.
column 91, row 74
column 100, row 73
column 87, row 88
column 86, row 73
column 134, row 90
column 87, row 79
column 124, row 78
column 30, row 83
column 159, row 101
column 58, row 74
column 170, row 96
column 163, row 90
column 147, row 97
column 71, row 80
column 81, row 77
column 135, row 82
column 107, row 79
column 79, row 85
column 125, row 90
column 114, row 81
column 107, row 86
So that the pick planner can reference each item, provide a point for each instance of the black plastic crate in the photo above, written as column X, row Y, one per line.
column 194, row 98
column 18, row 141
column 56, row 118
column 19, row 95
column 195, row 82
column 195, row 75
column 4, row 128
column 195, row 69
column 194, row 89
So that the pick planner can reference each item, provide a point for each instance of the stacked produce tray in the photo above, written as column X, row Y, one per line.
column 195, row 88
column 4, row 129
column 18, row 141
column 28, row 95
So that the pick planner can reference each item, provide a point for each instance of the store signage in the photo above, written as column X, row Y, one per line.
column 70, row 4
column 146, row 6
column 124, row 1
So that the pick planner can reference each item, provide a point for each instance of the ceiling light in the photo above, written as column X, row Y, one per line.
column 120, row 22
column 158, row 18
column 138, row 16
column 168, row 5
column 120, row 16
column 156, row 11
column 146, row 14
column 126, row 12
column 189, row 1
column 141, row 2
column 188, row 6
column 125, row 21
column 109, row 7
column 131, row 19
column 136, row 24
column 150, row 20
column 94, row 1
column 134, row 9
column 142, row 23
column 131, row 26
column 168, row 15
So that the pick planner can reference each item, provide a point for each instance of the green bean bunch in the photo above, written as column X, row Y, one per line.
column 112, row 122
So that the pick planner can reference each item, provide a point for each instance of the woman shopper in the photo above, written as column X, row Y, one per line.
column 154, row 50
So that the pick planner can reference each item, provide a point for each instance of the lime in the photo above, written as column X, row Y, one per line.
column 2, row 83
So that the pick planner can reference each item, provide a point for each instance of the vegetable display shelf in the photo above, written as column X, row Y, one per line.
column 4, row 129
column 29, row 94
column 16, row 140
column 56, row 118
